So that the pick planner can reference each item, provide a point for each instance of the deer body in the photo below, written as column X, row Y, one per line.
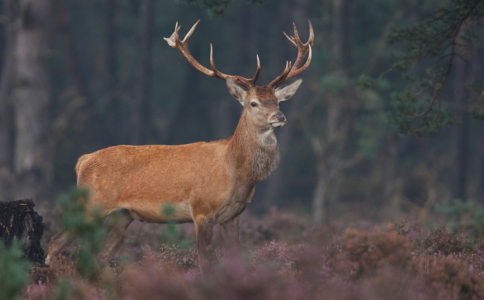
column 205, row 183
column 214, row 179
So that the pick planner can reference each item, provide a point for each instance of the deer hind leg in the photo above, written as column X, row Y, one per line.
column 116, row 224
column 57, row 244
column 206, row 254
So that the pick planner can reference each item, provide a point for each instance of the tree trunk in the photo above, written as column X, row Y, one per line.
column 71, row 53
column 329, row 148
column 139, row 121
column 459, row 133
column 330, row 155
column 340, row 34
column 6, row 126
column 319, row 197
column 390, row 199
column 33, row 161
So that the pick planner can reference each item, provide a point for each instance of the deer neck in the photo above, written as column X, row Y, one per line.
column 252, row 151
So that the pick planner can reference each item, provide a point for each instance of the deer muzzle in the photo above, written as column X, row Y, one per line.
column 278, row 120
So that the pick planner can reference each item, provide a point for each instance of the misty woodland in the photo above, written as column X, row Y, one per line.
column 231, row 149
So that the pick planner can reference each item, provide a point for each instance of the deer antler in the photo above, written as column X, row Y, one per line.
column 302, row 49
column 182, row 46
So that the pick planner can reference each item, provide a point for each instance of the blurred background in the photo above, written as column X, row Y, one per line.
column 385, row 125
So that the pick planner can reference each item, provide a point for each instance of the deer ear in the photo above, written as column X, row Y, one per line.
column 236, row 90
column 285, row 92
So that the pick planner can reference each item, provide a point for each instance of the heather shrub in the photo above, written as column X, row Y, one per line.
column 231, row 280
column 61, row 268
column 281, row 257
column 435, row 241
column 450, row 272
column 260, row 282
column 151, row 280
column 285, row 257
column 366, row 252
column 441, row 242
column 172, row 257
column 66, row 289
column 275, row 225
column 142, row 236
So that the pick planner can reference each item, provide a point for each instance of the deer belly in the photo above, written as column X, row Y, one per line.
column 177, row 212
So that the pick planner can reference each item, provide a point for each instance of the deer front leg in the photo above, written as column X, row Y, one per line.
column 206, row 255
column 230, row 236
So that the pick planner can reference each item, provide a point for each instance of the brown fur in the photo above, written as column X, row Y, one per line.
column 206, row 183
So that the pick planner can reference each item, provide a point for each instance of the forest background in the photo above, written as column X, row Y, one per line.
column 386, row 123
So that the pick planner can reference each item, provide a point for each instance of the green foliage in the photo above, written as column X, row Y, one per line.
column 464, row 216
column 333, row 83
column 89, row 231
column 64, row 290
column 14, row 271
column 414, row 113
column 365, row 82
column 430, row 49
column 217, row 7
column 430, row 37
column 477, row 115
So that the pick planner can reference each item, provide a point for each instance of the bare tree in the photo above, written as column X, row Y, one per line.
column 73, row 61
column 459, row 141
column 33, row 161
column 6, row 126
column 329, row 147
column 459, row 135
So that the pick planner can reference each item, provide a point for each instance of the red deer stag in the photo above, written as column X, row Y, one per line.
column 206, row 183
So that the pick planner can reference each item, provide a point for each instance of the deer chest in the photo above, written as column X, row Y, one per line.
column 235, row 206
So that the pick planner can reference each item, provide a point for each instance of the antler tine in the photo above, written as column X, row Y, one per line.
column 241, row 80
column 257, row 71
column 190, row 32
column 214, row 68
column 308, row 62
column 290, row 38
column 173, row 37
column 311, row 34
column 296, row 34
column 288, row 66
column 303, row 49
column 182, row 47
column 281, row 78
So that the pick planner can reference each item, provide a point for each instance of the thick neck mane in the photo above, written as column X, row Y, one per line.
column 251, row 151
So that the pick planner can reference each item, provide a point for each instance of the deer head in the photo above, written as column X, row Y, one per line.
column 261, row 103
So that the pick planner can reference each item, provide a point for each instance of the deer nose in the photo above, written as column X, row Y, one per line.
column 280, row 117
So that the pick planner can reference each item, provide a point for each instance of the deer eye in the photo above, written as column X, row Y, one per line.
column 253, row 104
